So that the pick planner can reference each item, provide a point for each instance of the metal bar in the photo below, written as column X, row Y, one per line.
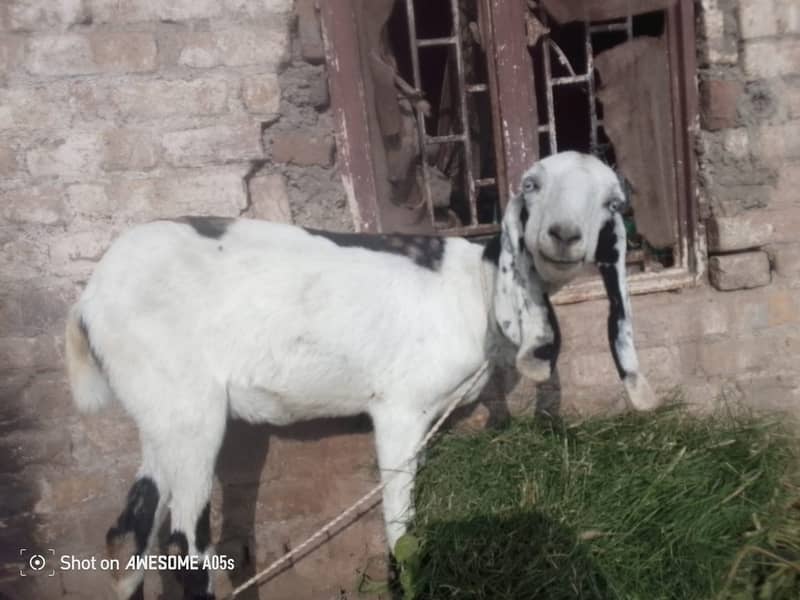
column 421, row 133
column 445, row 139
column 487, row 21
column 477, row 87
column 548, row 86
column 608, row 28
column 583, row 78
column 441, row 41
column 590, row 86
column 482, row 229
column 462, row 92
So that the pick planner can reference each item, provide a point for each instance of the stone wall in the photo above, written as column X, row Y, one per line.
column 113, row 113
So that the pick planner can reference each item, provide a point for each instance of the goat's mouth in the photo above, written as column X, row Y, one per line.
column 560, row 263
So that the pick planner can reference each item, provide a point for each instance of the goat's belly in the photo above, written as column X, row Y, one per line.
column 260, row 405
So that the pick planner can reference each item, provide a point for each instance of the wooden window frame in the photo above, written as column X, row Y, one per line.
column 514, row 117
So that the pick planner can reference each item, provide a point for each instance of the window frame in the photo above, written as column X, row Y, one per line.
column 514, row 108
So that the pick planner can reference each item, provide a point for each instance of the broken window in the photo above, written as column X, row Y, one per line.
column 461, row 96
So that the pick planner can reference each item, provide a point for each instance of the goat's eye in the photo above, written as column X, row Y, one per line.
column 614, row 204
column 530, row 184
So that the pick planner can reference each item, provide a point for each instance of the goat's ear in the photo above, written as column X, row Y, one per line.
column 520, row 306
column 610, row 259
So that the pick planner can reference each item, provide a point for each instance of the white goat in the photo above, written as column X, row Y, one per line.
column 187, row 322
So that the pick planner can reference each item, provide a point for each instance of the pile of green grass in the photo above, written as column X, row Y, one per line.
column 659, row 506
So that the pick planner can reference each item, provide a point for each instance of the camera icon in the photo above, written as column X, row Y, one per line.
column 34, row 562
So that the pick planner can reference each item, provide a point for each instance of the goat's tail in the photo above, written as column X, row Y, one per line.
column 90, row 387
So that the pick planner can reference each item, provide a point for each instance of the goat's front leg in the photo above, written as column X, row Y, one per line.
column 538, row 361
column 398, row 433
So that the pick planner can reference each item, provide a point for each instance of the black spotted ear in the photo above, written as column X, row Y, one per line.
column 610, row 259
column 520, row 305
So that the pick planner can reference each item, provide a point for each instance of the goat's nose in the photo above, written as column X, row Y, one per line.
column 566, row 234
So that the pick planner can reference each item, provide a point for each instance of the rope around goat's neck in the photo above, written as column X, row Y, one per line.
column 325, row 529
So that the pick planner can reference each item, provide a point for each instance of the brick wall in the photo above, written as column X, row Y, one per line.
column 113, row 113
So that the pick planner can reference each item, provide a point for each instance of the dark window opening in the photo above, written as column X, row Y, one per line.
column 459, row 172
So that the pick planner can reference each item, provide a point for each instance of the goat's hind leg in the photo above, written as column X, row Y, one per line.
column 136, row 528
column 190, row 464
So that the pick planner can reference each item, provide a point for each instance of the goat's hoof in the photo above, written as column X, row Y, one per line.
column 640, row 393
column 535, row 369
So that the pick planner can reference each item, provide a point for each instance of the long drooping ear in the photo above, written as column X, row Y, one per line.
column 520, row 304
column 610, row 259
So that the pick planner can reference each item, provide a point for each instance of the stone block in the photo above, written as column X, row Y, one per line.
column 90, row 199
column 34, row 107
column 217, row 144
column 269, row 198
column 219, row 192
column 312, row 47
column 726, row 234
column 77, row 252
column 783, row 308
column 166, row 98
column 259, row 10
column 129, row 149
column 77, row 54
column 113, row 11
column 40, row 352
column 786, row 259
column 720, row 44
column 757, row 18
column 75, row 155
column 32, row 15
column 739, row 271
column 771, row 57
column 736, row 142
column 766, row 18
column 201, row 193
column 11, row 53
column 261, row 94
column 303, row 148
column 779, row 143
column 8, row 160
column 792, row 99
column 22, row 259
column 44, row 309
column 128, row 52
column 235, row 47
column 719, row 99
column 42, row 205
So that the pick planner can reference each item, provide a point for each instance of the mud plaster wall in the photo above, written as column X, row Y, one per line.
column 115, row 113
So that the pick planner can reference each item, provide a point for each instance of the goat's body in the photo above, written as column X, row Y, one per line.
column 270, row 323
column 283, row 335
column 191, row 321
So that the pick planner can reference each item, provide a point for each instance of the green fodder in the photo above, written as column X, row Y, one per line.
column 657, row 506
